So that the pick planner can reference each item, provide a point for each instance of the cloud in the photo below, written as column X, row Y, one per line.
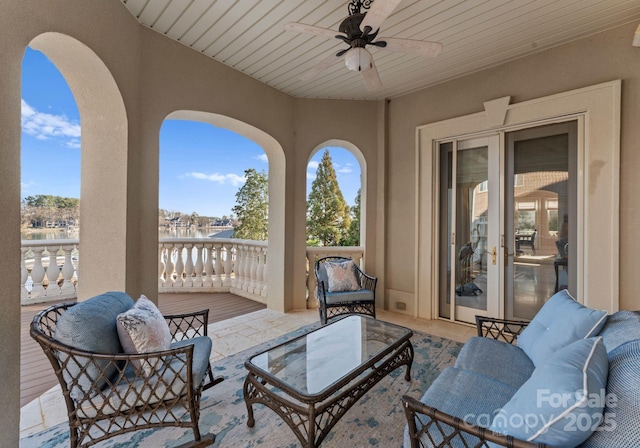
column 26, row 186
column 313, row 165
column 230, row 178
column 74, row 143
column 263, row 158
column 43, row 126
column 344, row 170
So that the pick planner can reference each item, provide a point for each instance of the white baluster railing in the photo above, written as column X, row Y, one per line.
column 213, row 265
column 314, row 253
column 48, row 270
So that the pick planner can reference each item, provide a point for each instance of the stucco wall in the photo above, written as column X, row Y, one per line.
column 599, row 58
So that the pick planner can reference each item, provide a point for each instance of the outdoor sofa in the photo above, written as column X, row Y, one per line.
column 570, row 377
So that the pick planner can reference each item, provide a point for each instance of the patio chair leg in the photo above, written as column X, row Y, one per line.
column 204, row 441
column 212, row 380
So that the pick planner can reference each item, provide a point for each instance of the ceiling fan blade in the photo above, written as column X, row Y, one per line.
column 310, row 29
column 372, row 78
column 636, row 38
column 419, row 47
column 379, row 11
column 320, row 66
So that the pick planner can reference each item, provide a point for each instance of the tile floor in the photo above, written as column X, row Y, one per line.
column 232, row 336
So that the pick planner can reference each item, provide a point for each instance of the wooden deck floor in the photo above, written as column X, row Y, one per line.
column 36, row 373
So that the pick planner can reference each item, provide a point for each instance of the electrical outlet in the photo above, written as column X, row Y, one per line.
column 401, row 306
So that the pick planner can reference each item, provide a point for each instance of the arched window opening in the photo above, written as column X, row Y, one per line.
column 334, row 192
column 213, row 182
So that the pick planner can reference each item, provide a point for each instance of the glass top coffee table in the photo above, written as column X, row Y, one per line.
column 312, row 380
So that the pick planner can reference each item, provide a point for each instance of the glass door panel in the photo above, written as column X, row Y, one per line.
column 540, row 216
column 468, row 229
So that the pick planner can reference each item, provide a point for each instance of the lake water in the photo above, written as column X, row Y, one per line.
column 58, row 234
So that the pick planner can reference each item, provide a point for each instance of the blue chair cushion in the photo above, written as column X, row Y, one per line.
column 619, row 427
column 323, row 277
column 621, row 327
column 361, row 295
column 149, row 390
column 560, row 404
column 91, row 326
column 201, row 353
column 503, row 362
column 560, row 321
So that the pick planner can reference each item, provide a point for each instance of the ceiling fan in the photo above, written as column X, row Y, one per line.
column 358, row 30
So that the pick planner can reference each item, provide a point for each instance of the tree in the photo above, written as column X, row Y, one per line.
column 252, row 207
column 328, row 217
column 195, row 219
column 353, row 234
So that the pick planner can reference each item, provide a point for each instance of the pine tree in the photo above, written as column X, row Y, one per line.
column 252, row 207
column 353, row 235
column 328, row 217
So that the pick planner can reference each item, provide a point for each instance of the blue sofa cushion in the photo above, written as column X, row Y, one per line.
column 91, row 326
column 560, row 404
column 473, row 397
column 560, row 321
column 496, row 359
column 619, row 426
column 621, row 327
column 360, row 295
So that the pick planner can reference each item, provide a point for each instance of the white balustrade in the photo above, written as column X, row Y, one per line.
column 213, row 265
column 314, row 253
column 49, row 268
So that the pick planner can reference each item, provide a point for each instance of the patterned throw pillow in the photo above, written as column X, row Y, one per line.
column 143, row 329
column 342, row 276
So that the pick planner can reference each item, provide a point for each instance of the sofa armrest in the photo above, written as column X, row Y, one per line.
column 443, row 430
column 187, row 326
column 500, row 329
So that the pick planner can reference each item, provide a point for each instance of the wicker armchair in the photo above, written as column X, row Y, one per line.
column 430, row 427
column 332, row 304
column 106, row 395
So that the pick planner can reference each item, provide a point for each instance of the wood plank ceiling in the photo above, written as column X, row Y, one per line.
column 248, row 35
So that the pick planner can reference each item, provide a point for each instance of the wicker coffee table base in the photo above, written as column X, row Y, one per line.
column 311, row 420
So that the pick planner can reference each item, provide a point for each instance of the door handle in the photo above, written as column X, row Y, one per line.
column 494, row 254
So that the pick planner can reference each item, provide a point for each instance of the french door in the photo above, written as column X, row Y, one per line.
column 469, row 228
column 507, row 207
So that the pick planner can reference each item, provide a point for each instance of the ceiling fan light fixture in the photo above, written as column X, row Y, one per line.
column 358, row 59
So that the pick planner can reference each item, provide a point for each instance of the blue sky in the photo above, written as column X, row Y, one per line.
column 201, row 166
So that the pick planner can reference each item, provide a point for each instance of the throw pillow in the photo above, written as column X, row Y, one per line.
column 562, row 403
column 143, row 329
column 559, row 322
column 342, row 276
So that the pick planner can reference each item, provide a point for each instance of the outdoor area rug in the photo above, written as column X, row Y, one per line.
column 377, row 419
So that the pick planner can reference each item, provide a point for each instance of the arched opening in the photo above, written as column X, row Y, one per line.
column 349, row 165
column 351, row 162
column 274, row 274
column 103, row 165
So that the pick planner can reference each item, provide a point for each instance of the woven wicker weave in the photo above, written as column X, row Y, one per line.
column 131, row 400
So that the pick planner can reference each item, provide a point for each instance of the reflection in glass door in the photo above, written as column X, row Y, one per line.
column 540, row 216
column 469, row 217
